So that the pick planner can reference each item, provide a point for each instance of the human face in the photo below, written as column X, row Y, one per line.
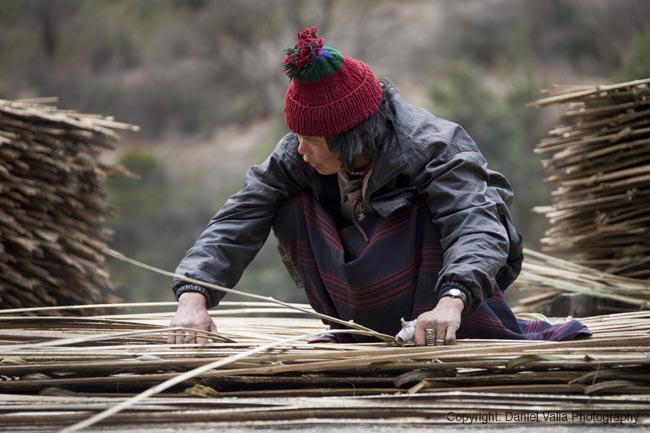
column 315, row 152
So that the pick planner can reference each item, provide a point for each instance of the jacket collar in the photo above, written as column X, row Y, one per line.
column 393, row 159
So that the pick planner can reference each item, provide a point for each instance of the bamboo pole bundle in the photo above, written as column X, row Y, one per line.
column 52, row 205
column 57, row 371
column 551, row 276
column 600, row 165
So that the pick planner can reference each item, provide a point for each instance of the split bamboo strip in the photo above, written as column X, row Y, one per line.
column 309, row 310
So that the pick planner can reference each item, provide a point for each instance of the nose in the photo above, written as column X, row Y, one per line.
column 301, row 146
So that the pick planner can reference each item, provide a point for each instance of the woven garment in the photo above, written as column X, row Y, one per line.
column 376, row 283
column 495, row 319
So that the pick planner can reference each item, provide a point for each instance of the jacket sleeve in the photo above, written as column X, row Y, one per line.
column 239, row 229
column 473, row 238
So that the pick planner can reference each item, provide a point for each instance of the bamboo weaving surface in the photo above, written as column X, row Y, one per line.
column 56, row 371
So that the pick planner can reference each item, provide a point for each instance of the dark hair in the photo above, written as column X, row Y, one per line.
column 367, row 137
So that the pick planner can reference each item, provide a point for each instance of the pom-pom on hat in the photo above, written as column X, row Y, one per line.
column 329, row 92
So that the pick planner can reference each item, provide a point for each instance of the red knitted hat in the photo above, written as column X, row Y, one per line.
column 330, row 92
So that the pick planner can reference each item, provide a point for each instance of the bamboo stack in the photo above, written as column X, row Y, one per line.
column 260, row 371
column 600, row 165
column 52, row 205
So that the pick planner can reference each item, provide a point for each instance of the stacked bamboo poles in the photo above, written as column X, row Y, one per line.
column 551, row 276
column 57, row 371
column 600, row 165
column 52, row 205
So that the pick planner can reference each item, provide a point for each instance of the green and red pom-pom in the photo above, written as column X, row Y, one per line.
column 310, row 59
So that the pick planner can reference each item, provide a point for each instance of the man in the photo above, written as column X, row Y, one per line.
column 381, row 211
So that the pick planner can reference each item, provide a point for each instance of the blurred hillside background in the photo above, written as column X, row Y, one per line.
column 204, row 81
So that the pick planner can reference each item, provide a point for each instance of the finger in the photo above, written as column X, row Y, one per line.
column 201, row 338
column 450, row 338
column 171, row 338
column 189, row 338
column 204, row 339
column 441, row 332
column 213, row 329
column 419, row 338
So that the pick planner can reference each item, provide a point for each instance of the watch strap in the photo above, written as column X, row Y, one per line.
column 455, row 293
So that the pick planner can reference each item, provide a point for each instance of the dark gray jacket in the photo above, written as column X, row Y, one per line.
column 426, row 155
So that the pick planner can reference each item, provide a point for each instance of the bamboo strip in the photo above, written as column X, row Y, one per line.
column 348, row 324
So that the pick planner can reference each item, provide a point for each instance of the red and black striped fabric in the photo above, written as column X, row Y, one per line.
column 392, row 276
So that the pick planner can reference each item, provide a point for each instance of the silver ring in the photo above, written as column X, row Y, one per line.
column 440, row 341
column 186, row 338
column 429, row 335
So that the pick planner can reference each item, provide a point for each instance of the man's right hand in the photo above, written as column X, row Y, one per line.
column 191, row 313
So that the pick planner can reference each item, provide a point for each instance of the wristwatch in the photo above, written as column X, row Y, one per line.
column 455, row 293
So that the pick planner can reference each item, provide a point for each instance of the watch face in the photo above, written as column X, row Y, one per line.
column 454, row 292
